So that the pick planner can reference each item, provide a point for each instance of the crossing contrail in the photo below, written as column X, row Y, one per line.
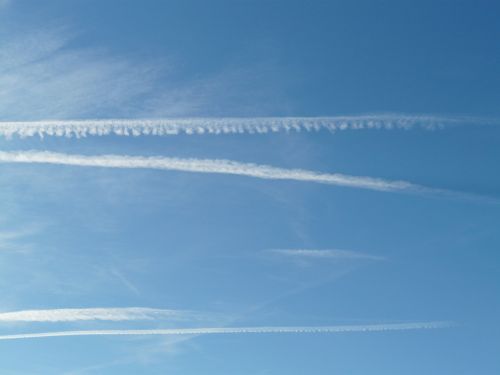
column 234, row 330
column 225, row 125
column 218, row 166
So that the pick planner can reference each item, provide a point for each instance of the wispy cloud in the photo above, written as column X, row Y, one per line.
column 49, row 74
column 44, row 74
column 221, row 125
column 24, row 49
column 109, row 314
column 124, row 280
column 312, row 254
column 16, row 240
column 236, row 330
column 218, row 166
column 13, row 235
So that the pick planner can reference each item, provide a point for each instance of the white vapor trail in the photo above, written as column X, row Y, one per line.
column 235, row 330
column 219, row 166
column 110, row 314
column 228, row 125
column 324, row 254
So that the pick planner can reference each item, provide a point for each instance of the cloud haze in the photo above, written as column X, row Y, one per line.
column 43, row 75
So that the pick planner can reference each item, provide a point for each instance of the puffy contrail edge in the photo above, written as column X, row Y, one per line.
column 234, row 330
column 225, row 125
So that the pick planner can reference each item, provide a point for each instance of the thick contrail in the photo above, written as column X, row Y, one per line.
column 227, row 125
column 219, row 166
column 109, row 314
column 234, row 330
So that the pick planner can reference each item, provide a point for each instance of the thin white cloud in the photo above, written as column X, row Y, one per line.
column 47, row 74
column 44, row 75
column 236, row 330
column 323, row 254
column 16, row 240
column 23, row 49
column 13, row 235
column 218, row 166
column 221, row 125
column 109, row 314
column 124, row 281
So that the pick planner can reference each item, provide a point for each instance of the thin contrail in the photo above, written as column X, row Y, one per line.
column 234, row 330
column 225, row 125
column 218, row 166
column 323, row 254
column 109, row 314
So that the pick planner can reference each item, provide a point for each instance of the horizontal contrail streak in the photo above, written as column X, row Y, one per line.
column 110, row 314
column 214, row 125
column 219, row 166
column 324, row 254
column 235, row 330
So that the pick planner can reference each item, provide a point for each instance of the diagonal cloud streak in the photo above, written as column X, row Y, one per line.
column 225, row 125
column 235, row 330
column 218, row 166
column 108, row 314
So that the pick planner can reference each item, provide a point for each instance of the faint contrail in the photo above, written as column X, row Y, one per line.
column 323, row 254
column 110, row 314
column 225, row 125
column 219, row 166
column 235, row 330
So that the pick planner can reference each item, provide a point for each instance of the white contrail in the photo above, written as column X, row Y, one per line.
column 324, row 254
column 219, row 166
column 234, row 330
column 224, row 125
column 110, row 314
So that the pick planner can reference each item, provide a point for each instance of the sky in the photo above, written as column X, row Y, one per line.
column 250, row 187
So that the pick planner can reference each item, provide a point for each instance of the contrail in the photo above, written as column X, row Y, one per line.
column 109, row 314
column 225, row 125
column 324, row 254
column 235, row 330
column 219, row 166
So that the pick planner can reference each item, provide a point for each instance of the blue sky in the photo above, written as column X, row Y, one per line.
column 382, row 233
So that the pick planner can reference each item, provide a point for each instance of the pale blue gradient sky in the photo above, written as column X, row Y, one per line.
column 73, row 237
